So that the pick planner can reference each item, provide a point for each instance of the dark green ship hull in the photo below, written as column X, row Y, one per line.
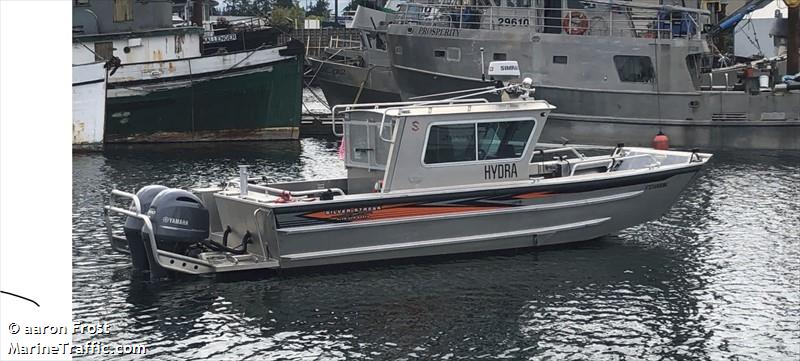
column 257, row 103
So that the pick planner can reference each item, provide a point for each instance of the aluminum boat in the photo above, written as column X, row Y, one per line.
column 440, row 177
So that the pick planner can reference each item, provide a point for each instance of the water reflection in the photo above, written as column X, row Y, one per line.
column 715, row 278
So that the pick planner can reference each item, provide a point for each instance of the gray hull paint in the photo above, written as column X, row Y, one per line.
column 338, row 93
column 341, row 83
column 562, row 218
column 683, row 135
column 611, row 117
column 587, row 89
column 415, row 83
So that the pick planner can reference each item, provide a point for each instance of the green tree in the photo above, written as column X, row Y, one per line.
column 285, row 3
column 319, row 9
column 247, row 7
column 353, row 5
column 286, row 17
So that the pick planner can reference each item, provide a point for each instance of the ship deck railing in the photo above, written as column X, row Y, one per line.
column 337, row 42
column 597, row 18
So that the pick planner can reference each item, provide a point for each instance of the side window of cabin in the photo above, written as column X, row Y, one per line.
column 503, row 140
column 637, row 69
column 380, row 41
column 123, row 10
column 449, row 143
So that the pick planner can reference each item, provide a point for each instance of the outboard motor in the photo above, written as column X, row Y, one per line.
column 180, row 220
column 133, row 227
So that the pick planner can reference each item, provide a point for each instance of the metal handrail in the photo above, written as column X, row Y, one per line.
column 455, row 100
column 641, row 20
column 149, row 231
column 277, row 191
column 612, row 161
column 351, row 107
column 562, row 149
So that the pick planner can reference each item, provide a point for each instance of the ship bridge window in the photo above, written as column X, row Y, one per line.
column 636, row 69
column 438, row 53
column 450, row 143
column 499, row 56
column 503, row 140
column 380, row 41
column 518, row 3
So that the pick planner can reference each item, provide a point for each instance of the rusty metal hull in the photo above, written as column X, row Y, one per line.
column 255, row 103
column 88, row 104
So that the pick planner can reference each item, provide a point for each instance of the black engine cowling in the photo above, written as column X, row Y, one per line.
column 179, row 220
column 133, row 226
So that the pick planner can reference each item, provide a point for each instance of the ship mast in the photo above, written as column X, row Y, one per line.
column 793, row 34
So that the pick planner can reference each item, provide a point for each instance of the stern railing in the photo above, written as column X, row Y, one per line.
column 596, row 18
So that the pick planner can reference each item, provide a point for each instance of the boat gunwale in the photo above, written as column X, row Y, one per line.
column 272, row 48
column 601, row 180
column 198, row 77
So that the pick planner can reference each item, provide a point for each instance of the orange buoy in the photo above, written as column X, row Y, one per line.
column 661, row 141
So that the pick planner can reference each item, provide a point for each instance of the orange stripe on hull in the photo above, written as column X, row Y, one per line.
column 397, row 212
column 532, row 195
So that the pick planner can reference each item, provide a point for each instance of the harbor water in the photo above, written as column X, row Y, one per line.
column 717, row 277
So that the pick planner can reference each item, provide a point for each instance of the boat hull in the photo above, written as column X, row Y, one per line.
column 342, row 84
column 259, row 100
column 459, row 222
column 578, row 74
column 777, row 135
column 690, row 119
column 88, row 104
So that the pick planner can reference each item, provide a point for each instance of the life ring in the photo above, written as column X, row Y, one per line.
column 575, row 23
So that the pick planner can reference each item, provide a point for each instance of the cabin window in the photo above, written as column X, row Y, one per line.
column 637, row 69
column 518, row 3
column 103, row 51
column 503, row 140
column 694, row 64
column 454, row 54
column 380, row 41
column 559, row 59
column 438, row 53
column 450, row 143
column 123, row 10
column 499, row 56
